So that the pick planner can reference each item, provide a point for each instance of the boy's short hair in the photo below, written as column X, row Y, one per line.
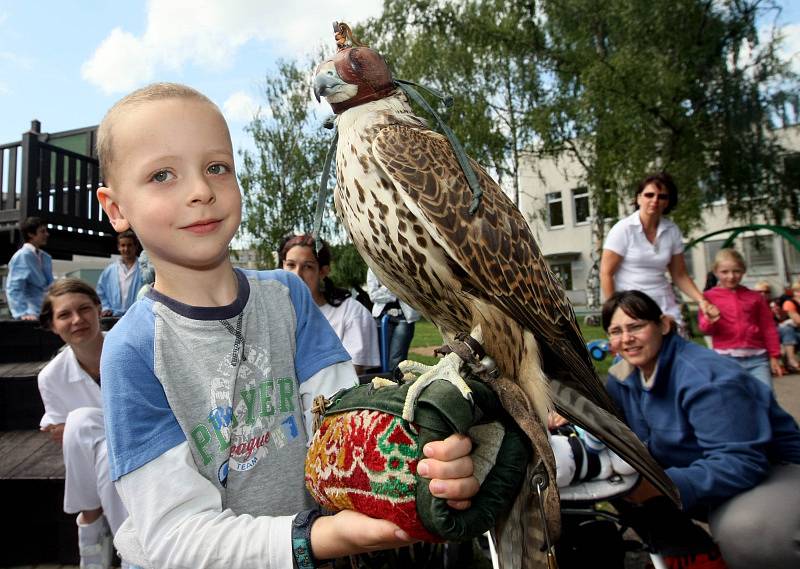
column 729, row 254
column 148, row 93
column 128, row 234
column 29, row 226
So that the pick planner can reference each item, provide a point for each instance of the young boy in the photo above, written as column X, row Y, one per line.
column 208, row 379
column 121, row 280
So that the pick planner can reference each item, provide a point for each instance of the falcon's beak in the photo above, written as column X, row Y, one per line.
column 325, row 82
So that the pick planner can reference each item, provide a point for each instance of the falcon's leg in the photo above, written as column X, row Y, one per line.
column 448, row 369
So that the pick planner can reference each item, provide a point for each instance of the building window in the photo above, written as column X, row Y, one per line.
column 711, row 248
column 580, row 205
column 564, row 273
column 555, row 210
column 760, row 254
column 792, row 257
column 688, row 257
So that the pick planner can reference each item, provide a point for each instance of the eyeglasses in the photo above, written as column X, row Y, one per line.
column 651, row 195
column 633, row 329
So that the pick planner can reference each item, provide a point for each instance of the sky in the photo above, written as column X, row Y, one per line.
column 66, row 63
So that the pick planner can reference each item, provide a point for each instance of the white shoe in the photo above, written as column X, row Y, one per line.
column 95, row 543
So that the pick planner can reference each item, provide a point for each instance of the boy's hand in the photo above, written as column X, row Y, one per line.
column 449, row 466
column 349, row 533
column 776, row 367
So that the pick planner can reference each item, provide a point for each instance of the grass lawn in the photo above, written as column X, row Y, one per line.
column 426, row 335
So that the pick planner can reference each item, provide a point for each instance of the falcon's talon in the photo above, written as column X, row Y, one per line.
column 447, row 369
column 379, row 382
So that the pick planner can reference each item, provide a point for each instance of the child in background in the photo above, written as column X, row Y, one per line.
column 744, row 330
column 208, row 379
column 789, row 328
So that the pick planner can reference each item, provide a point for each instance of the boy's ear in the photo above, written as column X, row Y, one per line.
column 111, row 207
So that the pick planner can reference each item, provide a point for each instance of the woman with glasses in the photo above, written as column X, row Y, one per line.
column 719, row 433
column 642, row 247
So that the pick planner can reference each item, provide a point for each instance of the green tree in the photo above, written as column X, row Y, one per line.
column 280, row 179
column 348, row 269
column 687, row 86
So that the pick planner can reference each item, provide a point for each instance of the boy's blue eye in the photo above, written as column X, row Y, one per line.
column 218, row 169
column 161, row 176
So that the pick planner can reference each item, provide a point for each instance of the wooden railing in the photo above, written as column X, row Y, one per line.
column 58, row 185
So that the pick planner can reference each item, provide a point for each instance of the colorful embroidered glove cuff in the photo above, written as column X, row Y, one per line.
column 364, row 457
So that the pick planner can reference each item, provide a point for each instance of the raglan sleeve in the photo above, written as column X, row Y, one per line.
column 140, row 424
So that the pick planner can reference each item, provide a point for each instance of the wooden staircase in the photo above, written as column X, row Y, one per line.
column 34, row 527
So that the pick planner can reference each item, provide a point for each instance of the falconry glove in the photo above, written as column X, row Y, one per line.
column 364, row 457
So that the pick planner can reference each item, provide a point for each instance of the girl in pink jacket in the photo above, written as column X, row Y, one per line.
column 745, row 329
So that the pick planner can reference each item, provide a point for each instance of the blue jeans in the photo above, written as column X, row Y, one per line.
column 788, row 334
column 401, row 333
column 757, row 366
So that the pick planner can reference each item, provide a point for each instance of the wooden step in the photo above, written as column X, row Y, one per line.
column 20, row 403
column 32, row 487
column 26, row 341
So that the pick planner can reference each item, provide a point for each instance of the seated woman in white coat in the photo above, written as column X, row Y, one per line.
column 70, row 390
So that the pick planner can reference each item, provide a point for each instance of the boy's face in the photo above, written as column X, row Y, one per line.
column 173, row 182
column 127, row 249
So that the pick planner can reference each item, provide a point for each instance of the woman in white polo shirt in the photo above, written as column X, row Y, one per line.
column 642, row 247
column 70, row 390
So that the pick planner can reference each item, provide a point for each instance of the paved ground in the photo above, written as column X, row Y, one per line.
column 787, row 389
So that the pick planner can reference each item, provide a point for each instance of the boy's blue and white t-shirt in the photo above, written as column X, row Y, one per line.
column 225, row 379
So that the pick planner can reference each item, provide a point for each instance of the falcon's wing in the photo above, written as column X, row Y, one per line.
column 497, row 258
column 495, row 248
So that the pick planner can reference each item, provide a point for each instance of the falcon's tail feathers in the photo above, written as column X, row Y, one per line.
column 614, row 433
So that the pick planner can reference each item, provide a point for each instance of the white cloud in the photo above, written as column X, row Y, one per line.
column 240, row 107
column 210, row 32
column 790, row 46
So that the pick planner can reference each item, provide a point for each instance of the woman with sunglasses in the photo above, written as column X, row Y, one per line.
column 640, row 248
column 719, row 433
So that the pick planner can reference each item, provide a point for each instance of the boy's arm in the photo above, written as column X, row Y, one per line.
column 179, row 522
column 325, row 382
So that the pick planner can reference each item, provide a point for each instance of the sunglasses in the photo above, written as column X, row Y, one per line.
column 651, row 195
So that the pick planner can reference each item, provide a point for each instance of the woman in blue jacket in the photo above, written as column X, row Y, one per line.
column 720, row 435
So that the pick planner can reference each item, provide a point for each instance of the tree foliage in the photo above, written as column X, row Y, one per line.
column 688, row 86
column 280, row 178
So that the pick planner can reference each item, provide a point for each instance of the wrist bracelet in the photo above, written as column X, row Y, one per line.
column 301, row 539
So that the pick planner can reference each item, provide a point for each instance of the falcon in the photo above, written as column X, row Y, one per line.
column 406, row 204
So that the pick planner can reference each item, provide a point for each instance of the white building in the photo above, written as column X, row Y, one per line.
column 557, row 207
